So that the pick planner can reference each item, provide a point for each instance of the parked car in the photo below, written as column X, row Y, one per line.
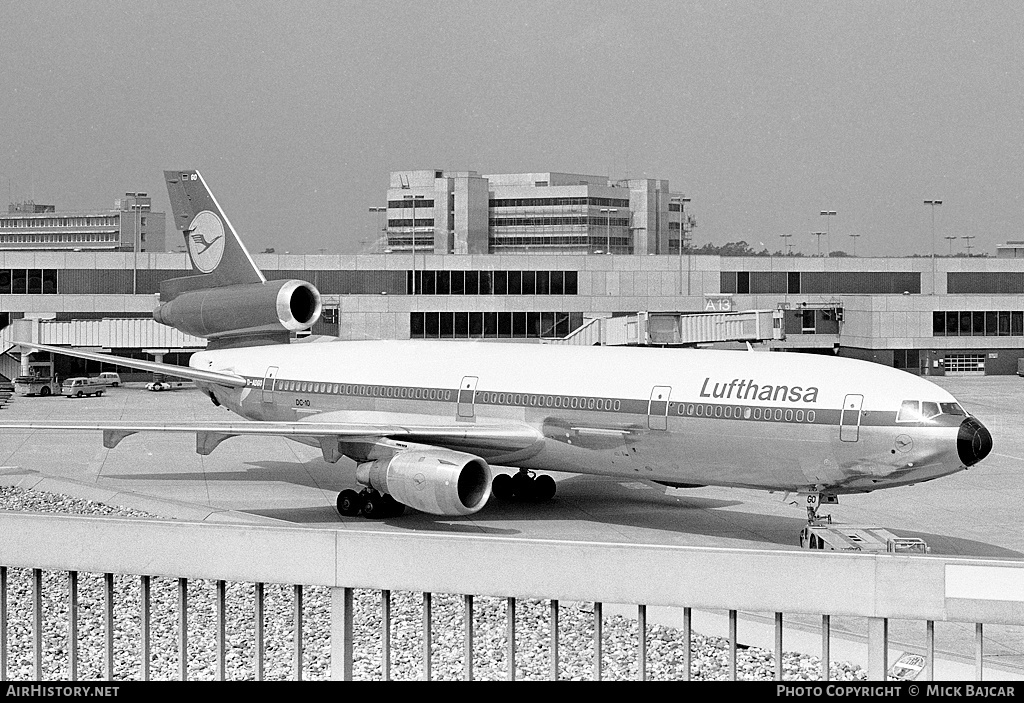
column 110, row 378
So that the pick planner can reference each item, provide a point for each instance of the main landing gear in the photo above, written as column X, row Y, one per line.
column 524, row 485
column 368, row 503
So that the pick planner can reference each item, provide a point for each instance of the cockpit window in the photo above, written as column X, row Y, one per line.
column 918, row 411
column 910, row 411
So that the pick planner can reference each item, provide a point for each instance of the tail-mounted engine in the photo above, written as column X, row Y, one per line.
column 243, row 310
column 436, row 481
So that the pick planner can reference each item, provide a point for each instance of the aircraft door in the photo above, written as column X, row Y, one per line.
column 657, row 409
column 268, row 384
column 849, row 421
column 467, row 398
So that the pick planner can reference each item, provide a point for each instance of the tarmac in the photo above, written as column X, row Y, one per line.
column 272, row 480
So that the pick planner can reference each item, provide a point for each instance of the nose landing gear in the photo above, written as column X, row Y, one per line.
column 524, row 485
column 814, row 501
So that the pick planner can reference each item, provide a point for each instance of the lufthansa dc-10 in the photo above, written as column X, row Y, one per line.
column 424, row 421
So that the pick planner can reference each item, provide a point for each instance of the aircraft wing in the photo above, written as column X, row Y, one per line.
column 219, row 377
column 482, row 439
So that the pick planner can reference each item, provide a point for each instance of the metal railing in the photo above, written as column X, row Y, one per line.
column 876, row 587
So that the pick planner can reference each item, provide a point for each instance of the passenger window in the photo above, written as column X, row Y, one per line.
column 909, row 412
column 929, row 410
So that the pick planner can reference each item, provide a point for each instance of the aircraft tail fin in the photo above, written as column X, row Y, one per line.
column 214, row 247
column 228, row 301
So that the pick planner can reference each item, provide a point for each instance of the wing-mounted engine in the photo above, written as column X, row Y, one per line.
column 273, row 309
column 436, row 481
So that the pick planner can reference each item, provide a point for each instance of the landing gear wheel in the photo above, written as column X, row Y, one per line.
column 501, row 487
column 522, row 485
column 544, row 487
column 349, row 503
column 373, row 506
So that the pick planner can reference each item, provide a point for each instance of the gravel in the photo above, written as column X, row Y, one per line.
column 576, row 628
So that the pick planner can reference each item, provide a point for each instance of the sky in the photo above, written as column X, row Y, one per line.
column 763, row 113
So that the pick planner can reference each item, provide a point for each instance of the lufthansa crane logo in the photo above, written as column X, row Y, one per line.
column 205, row 237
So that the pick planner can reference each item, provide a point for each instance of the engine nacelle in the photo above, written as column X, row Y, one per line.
column 251, row 308
column 436, row 481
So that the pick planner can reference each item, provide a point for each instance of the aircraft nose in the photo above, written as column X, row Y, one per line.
column 973, row 442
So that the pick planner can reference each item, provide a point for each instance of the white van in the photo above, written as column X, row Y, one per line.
column 78, row 386
column 110, row 378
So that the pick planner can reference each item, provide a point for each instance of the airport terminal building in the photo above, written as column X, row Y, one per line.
column 463, row 212
column 928, row 316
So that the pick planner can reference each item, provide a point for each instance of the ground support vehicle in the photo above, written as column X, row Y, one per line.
column 79, row 386
column 823, row 535
column 38, row 381
column 168, row 385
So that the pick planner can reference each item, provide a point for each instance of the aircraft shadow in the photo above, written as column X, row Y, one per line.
column 267, row 471
column 613, row 503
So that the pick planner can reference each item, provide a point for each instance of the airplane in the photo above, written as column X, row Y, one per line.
column 425, row 421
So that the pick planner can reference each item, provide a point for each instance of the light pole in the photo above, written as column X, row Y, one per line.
column 608, row 227
column 381, row 210
column 951, row 239
column 819, row 235
column 933, row 203
column 785, row 243
column 854, row 236
column 134, row 204
column 967, row 242
column 413, row 198
column 828, row 214
column 682, row 200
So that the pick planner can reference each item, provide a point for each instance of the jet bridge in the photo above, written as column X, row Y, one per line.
column 677, row 329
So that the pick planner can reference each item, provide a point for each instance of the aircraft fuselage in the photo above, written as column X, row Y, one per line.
column 774, row 421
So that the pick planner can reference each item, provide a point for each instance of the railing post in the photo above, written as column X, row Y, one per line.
column 427, row 636
column 826, row 626
column 37, row 618
column 687, row 641
column 108, row 624
column 467, row 657
column 732, row 644
column 979, row 651
column 73, row 625
column 511, row 636
column 878, row 649
column 3, row 623
column 297, row 617
column 144, row 625
column 641, row 626
column 183, row 629
column 553, row 611
column 258, row 606
column 385, row 635
column 929, row 650
column 222, row 606
column 342, row 616
column 778, row 646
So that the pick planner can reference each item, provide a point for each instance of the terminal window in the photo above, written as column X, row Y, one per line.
column 434, row 282
column 978, row 323
column 28, row 281
column 493, row 325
